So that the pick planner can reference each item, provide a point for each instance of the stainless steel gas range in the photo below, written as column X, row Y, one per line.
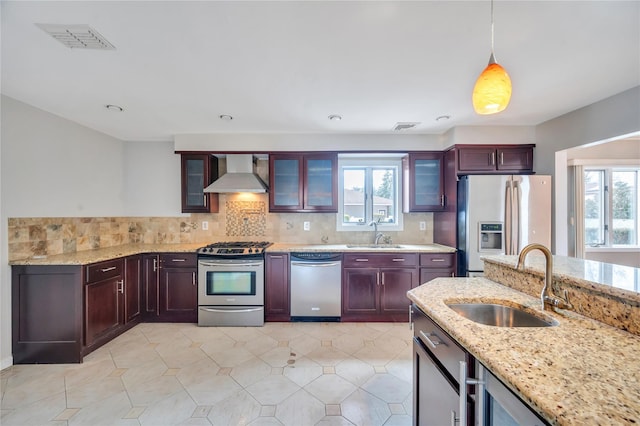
column 231, row 284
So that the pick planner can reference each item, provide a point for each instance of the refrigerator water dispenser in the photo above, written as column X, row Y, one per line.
column 490, row 237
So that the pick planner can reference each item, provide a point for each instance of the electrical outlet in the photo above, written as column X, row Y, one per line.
column 306, row 226
column 205, row 225
column 423, row 226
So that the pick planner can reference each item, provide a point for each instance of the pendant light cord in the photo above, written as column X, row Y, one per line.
column 492, row 59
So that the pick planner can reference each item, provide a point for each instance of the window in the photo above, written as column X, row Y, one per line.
column 369, row 191
column 611, row 206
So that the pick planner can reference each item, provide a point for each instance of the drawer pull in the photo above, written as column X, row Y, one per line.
column 108, row 269
column 178, row 260
column 434, row 344
column 398, row 259
column 362, row 260
column 437, row 260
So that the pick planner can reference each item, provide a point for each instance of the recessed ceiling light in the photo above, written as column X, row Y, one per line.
column 443, row 118
column 335, row 117
column 226, row 117
column 115, row 108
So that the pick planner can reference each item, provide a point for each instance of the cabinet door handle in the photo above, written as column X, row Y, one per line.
column 433, row 344
column 493, row 158
column 272, row 256
column 108, row 269
column 362, row 260
column 464, row 381
column 501, row 158
column 204, row 200
column 382, row 280
column 193, row 278
column 398, row 259
column 377, row 278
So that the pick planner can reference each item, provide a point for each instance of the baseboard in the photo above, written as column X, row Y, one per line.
column 6, row 362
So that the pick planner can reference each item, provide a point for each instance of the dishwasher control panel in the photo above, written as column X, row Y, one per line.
column 316, row 256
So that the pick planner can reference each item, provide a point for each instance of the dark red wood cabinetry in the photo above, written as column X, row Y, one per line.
column 103, row 302
column 424, row 182
column 47, row 314
column 198, row 172
column 498, row 159
column 434, row 265
column 171, row 287
column 375, row 286
column 303, row 182
column 276, row 287
column 61, row 313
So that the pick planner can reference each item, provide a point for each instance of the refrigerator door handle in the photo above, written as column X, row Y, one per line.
column 517, row 200
column 507, row 218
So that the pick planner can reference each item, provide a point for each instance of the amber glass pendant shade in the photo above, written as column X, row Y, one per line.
column 492, row 91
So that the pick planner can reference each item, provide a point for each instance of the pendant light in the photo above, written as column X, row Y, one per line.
column 492, row 91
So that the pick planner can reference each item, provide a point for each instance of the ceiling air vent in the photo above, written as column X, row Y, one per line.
column 77, row 36
column 406, row 125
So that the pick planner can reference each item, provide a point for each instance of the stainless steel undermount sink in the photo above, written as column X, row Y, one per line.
column 500, row 315
column 377, row 246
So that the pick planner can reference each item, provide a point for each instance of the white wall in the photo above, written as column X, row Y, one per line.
column 51, row 167
column 152, row 179
column 608, row 119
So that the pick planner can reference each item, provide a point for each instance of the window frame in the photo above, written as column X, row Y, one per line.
column 607, row 221
column 370, row 163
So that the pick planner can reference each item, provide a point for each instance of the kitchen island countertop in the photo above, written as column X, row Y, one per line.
column 580, row 372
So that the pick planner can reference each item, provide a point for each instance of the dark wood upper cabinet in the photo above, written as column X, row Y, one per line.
column 198, row 171
column 424, row 182
column 303, row 182
column 498, row 159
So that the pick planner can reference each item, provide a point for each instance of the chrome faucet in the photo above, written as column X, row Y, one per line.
column 377, row 235
column 548, row 299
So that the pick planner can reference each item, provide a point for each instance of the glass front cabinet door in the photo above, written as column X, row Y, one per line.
column 425, row 192
column 303, row 183
column 198, row 171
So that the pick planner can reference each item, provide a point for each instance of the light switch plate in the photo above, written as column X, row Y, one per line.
column 306, row 226
column 423, row 226
column 205, row 225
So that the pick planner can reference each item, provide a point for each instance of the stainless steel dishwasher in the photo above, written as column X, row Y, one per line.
column 316, row 286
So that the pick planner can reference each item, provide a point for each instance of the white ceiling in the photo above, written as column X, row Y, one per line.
column 285, row 66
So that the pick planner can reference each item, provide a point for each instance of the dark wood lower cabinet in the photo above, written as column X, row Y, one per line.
column 61, row 313
column 276, row 292
column 178, row 295
column 46, row 313
column 103, row 308
column 170, row 287
column 374, row 286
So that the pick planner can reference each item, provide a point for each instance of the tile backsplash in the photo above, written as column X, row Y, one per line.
column 242, row 217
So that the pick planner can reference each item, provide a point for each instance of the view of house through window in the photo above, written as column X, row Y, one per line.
column 370, row 192
column 611, row 206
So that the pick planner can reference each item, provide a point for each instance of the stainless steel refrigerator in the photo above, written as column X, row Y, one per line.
column 500, row 214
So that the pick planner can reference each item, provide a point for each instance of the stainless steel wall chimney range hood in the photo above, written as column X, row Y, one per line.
column 239, row 177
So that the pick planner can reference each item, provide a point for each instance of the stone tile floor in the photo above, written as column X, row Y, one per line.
column 295, row 374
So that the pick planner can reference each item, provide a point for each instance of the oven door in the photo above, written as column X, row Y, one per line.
column 231, row 282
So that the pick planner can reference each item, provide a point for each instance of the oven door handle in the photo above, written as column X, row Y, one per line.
column 235, row 311
column 229, row 265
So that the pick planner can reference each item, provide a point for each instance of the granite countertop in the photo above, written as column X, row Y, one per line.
column 580, row 372
column 355, row 247
column 615, row 280
column 91, row 256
